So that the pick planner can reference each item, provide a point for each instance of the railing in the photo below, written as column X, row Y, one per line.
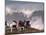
column 10, row 29
column 14, row 29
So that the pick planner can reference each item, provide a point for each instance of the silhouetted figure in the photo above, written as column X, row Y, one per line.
column 27, row 23
column 21, row 23
column 14, row 26
column 6, row 23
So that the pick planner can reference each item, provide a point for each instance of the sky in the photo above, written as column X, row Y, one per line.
column 18, row 10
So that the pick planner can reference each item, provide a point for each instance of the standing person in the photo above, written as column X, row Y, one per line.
column 13, row 25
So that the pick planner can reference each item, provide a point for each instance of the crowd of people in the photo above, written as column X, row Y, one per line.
column 19, row 24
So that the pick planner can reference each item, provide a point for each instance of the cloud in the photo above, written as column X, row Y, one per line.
column 8, row 10
column 25, row 11
column 23, row 7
